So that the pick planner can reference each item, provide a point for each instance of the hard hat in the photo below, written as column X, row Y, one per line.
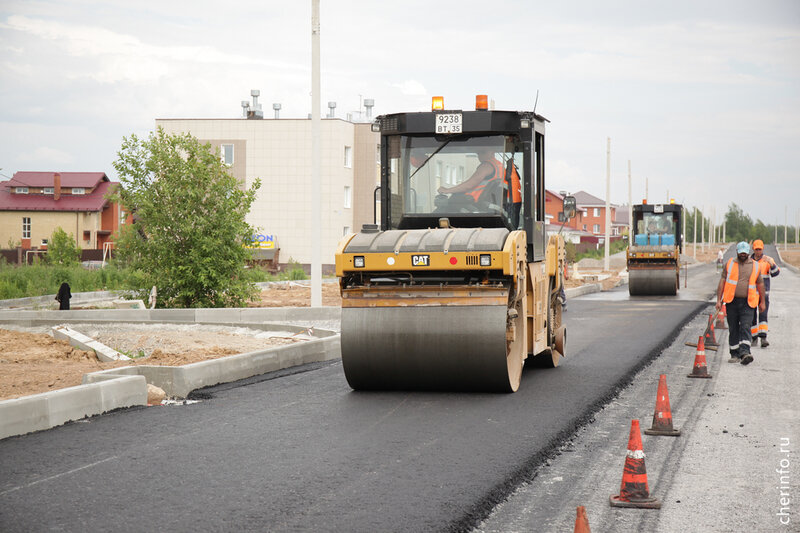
column 743, row 248
column 758, row 244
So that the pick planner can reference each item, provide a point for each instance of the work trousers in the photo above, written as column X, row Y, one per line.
column 740, row 318
column 760, row 327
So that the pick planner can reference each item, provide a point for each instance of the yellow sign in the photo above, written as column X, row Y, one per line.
column 262, row 242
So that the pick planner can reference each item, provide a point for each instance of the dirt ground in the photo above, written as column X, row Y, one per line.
column 34, row 362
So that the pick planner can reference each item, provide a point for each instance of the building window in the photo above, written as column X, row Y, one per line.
column 26, row 227
column 596, row 228
column 378, row 155
column 78, row 190
column 44, row 242
column 348, row 157
column 49, row 190
column 21, row 190
column 597, row 211
column 348, row 197
column 584, row 227
column 345, row 231
column 226, row 154
column 87, row 235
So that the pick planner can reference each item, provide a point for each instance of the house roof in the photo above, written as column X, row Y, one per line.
column 584, row 198
column 95, row 201
column 45, row 179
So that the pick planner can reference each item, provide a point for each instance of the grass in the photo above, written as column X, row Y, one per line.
column 41, row 279
column 616, row 246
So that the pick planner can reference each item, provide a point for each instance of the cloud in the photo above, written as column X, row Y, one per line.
column 411, row 88
column 44, row 156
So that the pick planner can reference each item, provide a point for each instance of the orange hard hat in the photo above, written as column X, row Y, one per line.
column 758, row 244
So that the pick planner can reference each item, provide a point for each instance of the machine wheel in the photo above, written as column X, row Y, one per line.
column 515, row 342
column 556, row 335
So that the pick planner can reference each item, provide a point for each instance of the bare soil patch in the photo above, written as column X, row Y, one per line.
column 35, row 362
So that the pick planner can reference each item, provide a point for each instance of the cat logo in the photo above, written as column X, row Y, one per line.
column 420, row 260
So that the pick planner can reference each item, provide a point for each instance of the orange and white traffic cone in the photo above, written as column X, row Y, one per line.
column 720, row 324
column 700, row 370
column 634, row 491
column 581, row 521
column 709, row 337
column 662, row 417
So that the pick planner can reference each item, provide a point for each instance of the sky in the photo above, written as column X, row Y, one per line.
column 702, row 97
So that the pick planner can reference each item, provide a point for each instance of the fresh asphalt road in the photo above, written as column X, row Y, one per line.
column 300, row 451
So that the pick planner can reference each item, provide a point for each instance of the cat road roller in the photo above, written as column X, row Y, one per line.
column 459, row 283
column 654, row 254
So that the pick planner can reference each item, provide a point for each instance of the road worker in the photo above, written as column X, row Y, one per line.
column 767, row 269
column 490, row 173
column 742, row 290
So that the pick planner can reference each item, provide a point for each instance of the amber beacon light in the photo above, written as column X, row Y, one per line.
column 437, row 103
column 481, row 102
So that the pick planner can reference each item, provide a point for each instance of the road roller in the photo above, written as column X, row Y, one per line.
column 653, row 256
column 457, row 284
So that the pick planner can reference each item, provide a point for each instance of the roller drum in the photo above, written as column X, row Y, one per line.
column 426, row 348
column 652, row 282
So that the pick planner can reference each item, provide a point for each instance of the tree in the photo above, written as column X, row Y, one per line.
column 188, row 221
column 737, row 224
column 62, row 249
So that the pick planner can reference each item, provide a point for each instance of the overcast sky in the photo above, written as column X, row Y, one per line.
column 702, row 96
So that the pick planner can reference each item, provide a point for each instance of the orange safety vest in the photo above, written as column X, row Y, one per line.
column 498, row 173
column 733, row 279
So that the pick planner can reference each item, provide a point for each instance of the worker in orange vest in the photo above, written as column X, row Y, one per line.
column 491, row 172
column 767, row 269
column 742, row 290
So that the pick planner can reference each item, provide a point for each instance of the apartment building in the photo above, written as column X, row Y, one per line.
column 278, row 151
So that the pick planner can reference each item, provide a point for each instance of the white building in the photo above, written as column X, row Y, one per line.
column 279, row 152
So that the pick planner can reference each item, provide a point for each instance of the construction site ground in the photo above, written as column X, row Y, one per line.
column 31, row 361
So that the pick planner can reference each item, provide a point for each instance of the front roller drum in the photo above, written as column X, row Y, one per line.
column 653, row 281
column 460, row 348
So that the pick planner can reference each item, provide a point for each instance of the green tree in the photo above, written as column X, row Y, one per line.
column 189, row 221
column 62, row 249
column 738, row 224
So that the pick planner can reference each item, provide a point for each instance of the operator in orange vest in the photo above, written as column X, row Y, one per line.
column 767, row 269
column 489, row 171
column 742, row 290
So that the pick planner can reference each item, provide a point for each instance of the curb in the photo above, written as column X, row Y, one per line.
column 787, row 265
column 116, row 388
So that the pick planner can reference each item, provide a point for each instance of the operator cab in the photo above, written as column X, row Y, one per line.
column 657, row 225
column 476, row 169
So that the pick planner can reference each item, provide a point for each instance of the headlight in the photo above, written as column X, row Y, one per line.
column 358, row 261
column 486, row 260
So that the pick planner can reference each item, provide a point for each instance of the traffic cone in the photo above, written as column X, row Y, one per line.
column 700, row 370
column 581, row 521
column 709, row 336
column 662, row 417
column 634, row 491
column 721, row 318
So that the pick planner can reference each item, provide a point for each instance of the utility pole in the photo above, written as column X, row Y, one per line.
column 316, row 163
column 646, row 186
column 694, row 233
column 606, row 261
column 630, row 207
column 702, row 229
column 724, row 227
column 785, row 225
column 797, row 227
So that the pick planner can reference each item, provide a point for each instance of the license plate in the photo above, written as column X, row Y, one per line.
column 448, row 123
column 658, row 208
column 420, row 260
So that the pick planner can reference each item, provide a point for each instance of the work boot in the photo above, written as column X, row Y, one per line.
column 747, row 359
column 764, row 342
column 735, row 359
column 754, row 342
